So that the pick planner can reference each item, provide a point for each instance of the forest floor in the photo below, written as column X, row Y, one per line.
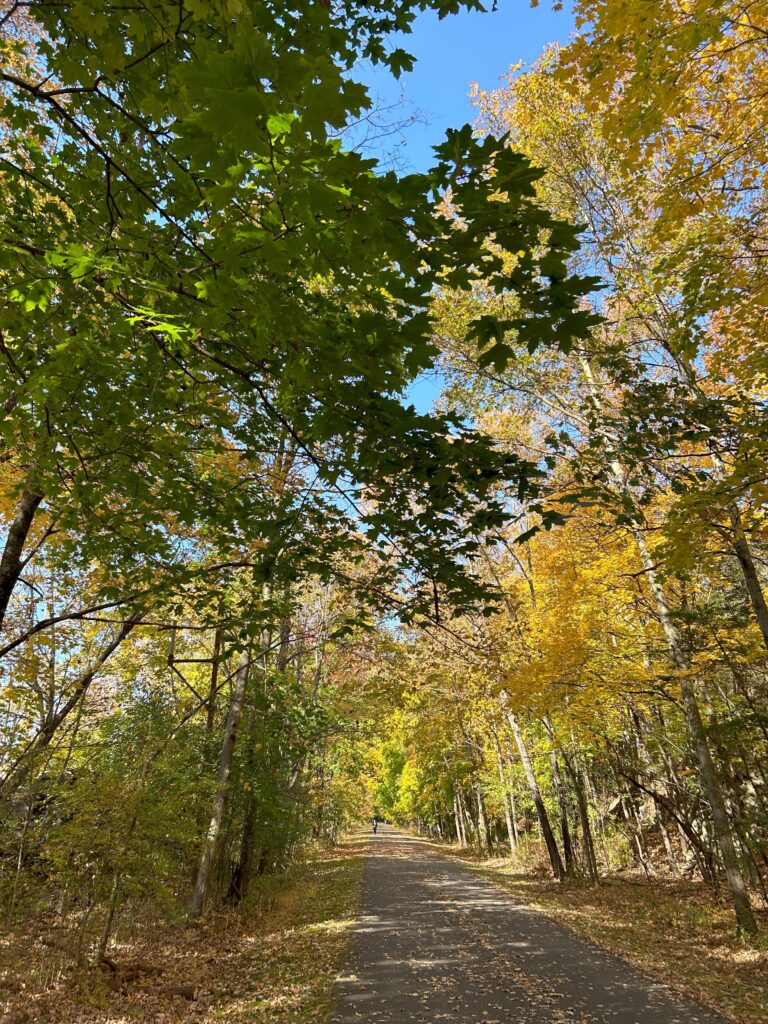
column 670, row 928
column 277, row 964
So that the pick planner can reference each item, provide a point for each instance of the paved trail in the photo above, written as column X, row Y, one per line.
column 437, row 943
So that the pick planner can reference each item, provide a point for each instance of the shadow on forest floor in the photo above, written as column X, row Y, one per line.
column 275, row 963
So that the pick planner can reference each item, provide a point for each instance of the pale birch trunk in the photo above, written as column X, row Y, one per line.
column 460, row 833
column 538, row 802
column 504, row 793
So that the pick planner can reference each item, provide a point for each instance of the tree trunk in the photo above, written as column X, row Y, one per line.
column 483, row 835
column 284, row 649
column 746, row 562
column 211, row 712
column 538, row 802
column 511, row 794
column 710, row 782
column 12, row 562
column 222, row 785
column 469, row 828
column 562, row 803
column 586, row 829
column 243, row 873
column 462, row 822
column 504, row 794
column 21, row 767
column 738, row 540
column 460, row 834
column 106, row 931
column 632, row 818
column 513, row 810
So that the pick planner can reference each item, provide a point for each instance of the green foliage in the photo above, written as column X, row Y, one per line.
column 199, row 255
column 119, row 812
column 216, row 504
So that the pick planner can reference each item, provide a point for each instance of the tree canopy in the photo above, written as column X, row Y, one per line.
column 249, row 595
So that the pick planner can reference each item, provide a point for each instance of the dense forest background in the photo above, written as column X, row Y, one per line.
column 249, row 596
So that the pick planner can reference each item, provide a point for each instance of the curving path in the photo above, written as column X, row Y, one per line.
column 435, row 942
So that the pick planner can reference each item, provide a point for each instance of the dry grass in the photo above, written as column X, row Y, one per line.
column 278, row 966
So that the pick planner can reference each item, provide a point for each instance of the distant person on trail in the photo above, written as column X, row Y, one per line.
column 375, row 825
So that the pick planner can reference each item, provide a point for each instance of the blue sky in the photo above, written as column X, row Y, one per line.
column 450, row 55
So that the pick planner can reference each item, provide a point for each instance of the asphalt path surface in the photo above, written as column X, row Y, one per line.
column 435, row 942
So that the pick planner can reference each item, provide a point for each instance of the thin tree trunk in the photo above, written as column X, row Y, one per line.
column 586, row 828
column 648, row 768
column 565, row 830
column 743, row 554
column 738, row 540
column 710, row 782
column 211, row 711
column 469, row 828
column 672, row 784
column 483, row 835
column 511, row 794
column 504, row 793
column 538, row 802
column 106, row 932
column 12, row 562
column 632, row 818
column 462, row 822
column 669, row 850
column 21, row 767
column 461, row 838
column 243, row 873
column 222, row 784
column 284, row 650
column 513, row 809
column 20, row 857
